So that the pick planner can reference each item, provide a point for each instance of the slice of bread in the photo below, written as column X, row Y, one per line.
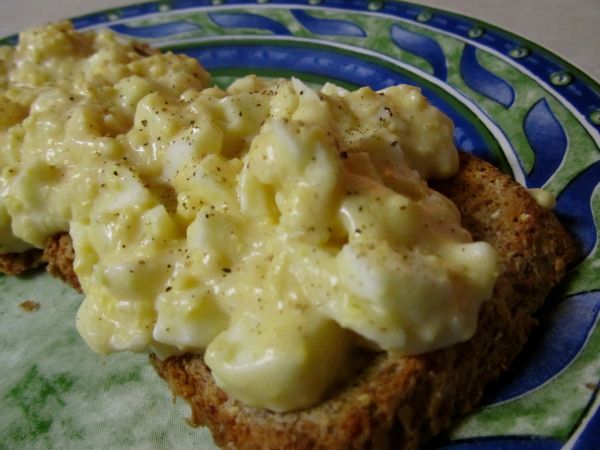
column 392, row 401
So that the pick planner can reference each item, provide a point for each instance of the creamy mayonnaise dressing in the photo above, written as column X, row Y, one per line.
column 271, row 226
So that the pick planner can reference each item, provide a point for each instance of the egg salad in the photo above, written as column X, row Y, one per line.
column 270, row 226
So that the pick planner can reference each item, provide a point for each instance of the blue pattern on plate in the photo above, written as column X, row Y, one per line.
column 482, row 80
column 505, row 443
column 540, row 62
column 546, row 137
column 574, row 208
column 157, row 30
column 246, row 20
column 423, row 46
column 327, row 27
column 566, row 328
column 134, row 11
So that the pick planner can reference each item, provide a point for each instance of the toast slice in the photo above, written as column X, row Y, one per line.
column 392, row 401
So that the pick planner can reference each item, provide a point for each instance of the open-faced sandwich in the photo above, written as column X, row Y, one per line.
column 307, row 268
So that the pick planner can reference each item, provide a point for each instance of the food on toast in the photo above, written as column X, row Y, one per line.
column 277, row 248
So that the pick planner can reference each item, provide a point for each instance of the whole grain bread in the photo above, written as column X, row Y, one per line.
column 58, row 257
column 396, row 402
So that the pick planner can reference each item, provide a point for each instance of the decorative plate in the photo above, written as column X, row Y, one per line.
column 513, row 103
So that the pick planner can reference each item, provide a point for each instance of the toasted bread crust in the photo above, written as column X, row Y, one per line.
column 17, row 263
column 399, row 402
column 60, row 256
